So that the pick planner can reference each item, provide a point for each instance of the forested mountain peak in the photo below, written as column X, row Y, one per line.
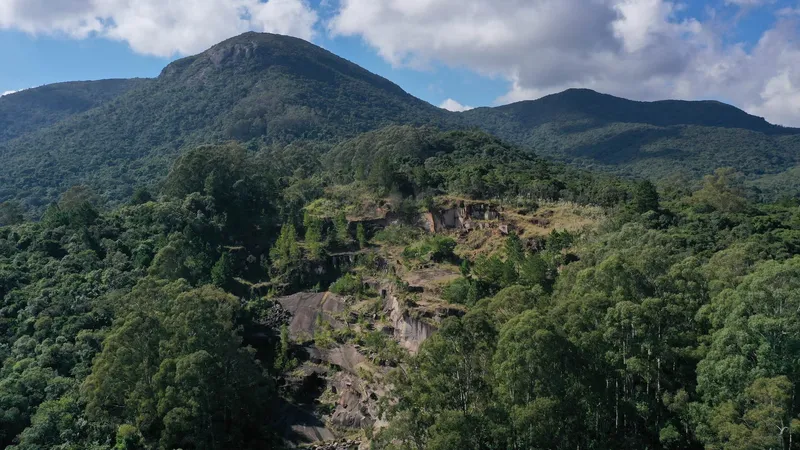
column 658, row 140
column 259, row 88
column 586, row 104
column 255, row 52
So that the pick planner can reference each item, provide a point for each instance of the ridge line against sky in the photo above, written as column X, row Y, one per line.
column 451, row 53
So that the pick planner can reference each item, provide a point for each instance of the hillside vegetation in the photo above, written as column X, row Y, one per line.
column 656, row 140
column 445, row 291
column 256, row 87
column 33, row 109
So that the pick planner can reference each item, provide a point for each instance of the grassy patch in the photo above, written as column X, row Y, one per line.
column 436, row 248
column 399, row 235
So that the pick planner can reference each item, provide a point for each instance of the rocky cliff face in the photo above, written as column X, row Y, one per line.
column 309, row 310
column 464, row 218
column 349, row 377
column 409, row 331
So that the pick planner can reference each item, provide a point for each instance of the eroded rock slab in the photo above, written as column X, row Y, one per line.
column 346, row 356
column 409, row 331
column 356, row 407
column 306, row 307
column 302, row 426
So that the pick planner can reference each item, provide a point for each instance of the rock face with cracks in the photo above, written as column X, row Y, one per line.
column 462, row 218
column 409, row 331
column 305, row 309
column 337, row 368
column 346, row 373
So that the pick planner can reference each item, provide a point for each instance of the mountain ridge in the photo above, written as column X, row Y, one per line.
column 265, row 49
column 267, row 89
column 637, row 111
column 35, row 108
column 655, row 140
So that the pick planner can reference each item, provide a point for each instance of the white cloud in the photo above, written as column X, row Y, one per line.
column 642, row 49
column 780, row 98
column 788, row 12
column 452, row 105
column 7, row 93
column 159, row 27
column 749, row 2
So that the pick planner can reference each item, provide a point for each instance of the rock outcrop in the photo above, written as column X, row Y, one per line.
column 346, row 357
column 409, row 331
column 356, row 407
column 305, row 308
column 349, row 379
column 464, row 218
column 341, row 444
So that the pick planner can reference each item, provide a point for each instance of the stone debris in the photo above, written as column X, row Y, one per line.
column 341, row 444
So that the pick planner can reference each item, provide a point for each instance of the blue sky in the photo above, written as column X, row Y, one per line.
column 464, row 52
column 34, row 60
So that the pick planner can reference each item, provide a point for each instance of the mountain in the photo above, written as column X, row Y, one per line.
column 651, row 139
column 587, row 105
column 255, row 87
column 266, row 89
column 32, row 109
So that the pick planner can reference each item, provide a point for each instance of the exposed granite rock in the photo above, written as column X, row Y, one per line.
column 353, row 395
column 465, row 218
column 341, row 444
column 409, row 331
column 302, row 426
column 356, row 407
column 313, row 433
column 306, row 307
column 345, row 356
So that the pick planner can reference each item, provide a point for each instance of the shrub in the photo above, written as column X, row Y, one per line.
column 397, row 235
column 458, row 291
column 434, row 248
column 348, row 285
column 386, row 349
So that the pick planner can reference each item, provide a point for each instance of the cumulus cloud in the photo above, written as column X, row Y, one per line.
column 452, row 105
column 749, row 2
column 7, row 93
column 642, row 49
column 159, row 27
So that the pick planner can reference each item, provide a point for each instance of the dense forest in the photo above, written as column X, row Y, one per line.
column 264, row 89
column 670, row 319
column 658, row 140
column 34, row 109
